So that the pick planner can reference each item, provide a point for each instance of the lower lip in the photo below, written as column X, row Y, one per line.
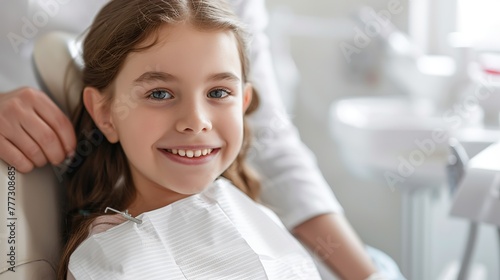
column 191, row 161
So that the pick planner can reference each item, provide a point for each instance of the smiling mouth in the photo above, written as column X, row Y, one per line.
column 190, row 153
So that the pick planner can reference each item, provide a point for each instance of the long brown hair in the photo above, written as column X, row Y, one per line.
column 101, row 177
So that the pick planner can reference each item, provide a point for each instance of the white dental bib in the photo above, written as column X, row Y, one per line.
column 217, row 234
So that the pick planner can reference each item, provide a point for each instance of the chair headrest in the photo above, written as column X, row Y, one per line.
column 58, row 66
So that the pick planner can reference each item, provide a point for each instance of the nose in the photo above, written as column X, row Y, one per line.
column 194, row 119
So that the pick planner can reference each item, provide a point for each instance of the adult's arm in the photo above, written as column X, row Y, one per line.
column 33, row 130
column 292, row 184
column 334, row 242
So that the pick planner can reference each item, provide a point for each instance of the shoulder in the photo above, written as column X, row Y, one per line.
column 105, row 222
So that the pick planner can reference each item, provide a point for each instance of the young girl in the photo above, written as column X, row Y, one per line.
column 165, row 94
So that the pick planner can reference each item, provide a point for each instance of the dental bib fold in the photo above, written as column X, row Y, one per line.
column 217, row 234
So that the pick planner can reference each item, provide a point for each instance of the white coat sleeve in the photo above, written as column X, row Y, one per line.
column 292, row 184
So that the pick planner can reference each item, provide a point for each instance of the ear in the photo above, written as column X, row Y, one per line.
column 100, row 112
column 247, row 96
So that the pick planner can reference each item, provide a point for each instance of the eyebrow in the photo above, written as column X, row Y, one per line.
column 166, row 77
column 155, row 76
column 224, row 76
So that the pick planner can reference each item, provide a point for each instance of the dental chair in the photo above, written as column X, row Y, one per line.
column 31, row 215
column 477, row 197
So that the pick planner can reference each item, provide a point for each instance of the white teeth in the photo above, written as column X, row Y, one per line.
column 191, row 153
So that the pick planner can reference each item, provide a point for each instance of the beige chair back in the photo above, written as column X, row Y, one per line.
column 31, row 216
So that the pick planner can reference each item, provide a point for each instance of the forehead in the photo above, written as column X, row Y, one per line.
column 182, row 47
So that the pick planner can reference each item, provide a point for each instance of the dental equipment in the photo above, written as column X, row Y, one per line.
column 478, row 195
column 124, row 214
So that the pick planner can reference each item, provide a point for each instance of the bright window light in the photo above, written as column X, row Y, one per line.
column 479, row 20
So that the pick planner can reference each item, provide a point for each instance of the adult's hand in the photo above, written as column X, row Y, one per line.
column 33, row 130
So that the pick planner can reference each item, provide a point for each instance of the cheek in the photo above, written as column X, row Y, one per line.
column 138, row 138
column 233, row 127
column 140, row 128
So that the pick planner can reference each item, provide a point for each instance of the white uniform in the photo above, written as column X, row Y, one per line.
column 292, row 184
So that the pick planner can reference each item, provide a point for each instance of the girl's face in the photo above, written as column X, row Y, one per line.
column 178, row 113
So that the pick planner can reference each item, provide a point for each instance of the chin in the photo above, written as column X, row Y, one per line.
column 189, row 187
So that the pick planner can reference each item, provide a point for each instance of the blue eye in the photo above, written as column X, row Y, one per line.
column 159, row 94
column 218, row 93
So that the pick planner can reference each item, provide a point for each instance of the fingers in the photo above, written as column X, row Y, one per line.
column 33, row 130
column 58, row 122
column 14, row 157
column 40, row 142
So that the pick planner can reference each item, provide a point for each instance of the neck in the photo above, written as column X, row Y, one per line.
column 144, row 203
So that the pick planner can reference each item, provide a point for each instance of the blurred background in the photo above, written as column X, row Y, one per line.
column 378, row 89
